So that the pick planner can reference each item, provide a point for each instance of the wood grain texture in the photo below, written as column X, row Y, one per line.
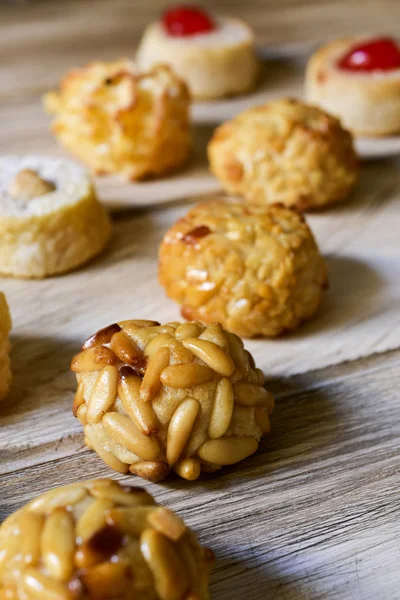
column 315, row 513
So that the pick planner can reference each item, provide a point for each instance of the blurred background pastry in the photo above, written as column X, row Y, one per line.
column 100, row 539
column 5, row 368
column 178, row 396
column 119, row 121
column 358, row 80
column 215, row 56
column 285, row 152
column 50, row 218
column 256, row 269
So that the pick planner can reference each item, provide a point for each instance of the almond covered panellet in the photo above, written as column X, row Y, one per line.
column 181, row 396
column 98, row 540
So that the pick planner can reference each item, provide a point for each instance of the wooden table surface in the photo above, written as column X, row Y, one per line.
column 316, row 513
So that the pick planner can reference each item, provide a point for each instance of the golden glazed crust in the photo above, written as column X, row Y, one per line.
column 215, row 64
column 257, row 270
column 5, row 327
column 284, row 152
column 367, row 103
column 178, row 396
column 98, row 540
column 117, row 121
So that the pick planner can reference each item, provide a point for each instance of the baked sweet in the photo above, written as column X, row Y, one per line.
column 50, row 219
column 255, row 269
column 216, row 57
column 119, row 121
column 5, row 327
column 284, row 152
column 358, row 79
column 98, row 540
column 184, row 396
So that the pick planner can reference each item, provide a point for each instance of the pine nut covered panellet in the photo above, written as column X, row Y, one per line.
column 181, row 396
column 99, row 540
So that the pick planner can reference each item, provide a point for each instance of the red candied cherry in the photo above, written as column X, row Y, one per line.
column 184, row 20
column 380, row 54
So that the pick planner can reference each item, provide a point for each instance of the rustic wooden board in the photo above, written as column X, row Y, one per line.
column 314, row 515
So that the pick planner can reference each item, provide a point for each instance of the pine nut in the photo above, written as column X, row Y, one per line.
column 58, row 544
column 228, row 450
column 167, row 522
column 188, row 330
column 81, row 414
column 101, row 337
column 37, row 586
column 249, row 394
column 222, row 410
column 93, row 519
column 152, row 470
column 103, row 394
column 238, row 355
column 79, row 399
column 123, row 431
column 142, row 413
column 129, row 496
column 186, row 375
column 262, row 419
column 30, row 528
column 138, row 323
column 214, row 333
column 151, row 383
column 125, row 349
column 130, row 520
column 180, row 428
column 188, row 468
column 109, row 458
column 51, row 500
column 212, row 355
column 93, row 359
column 156, row 343
column 168, row 570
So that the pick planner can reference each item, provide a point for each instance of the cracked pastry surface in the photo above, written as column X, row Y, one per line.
column 181, row 396
column 214, row 64
column 284, row 152
column 119, row 121
column 50, row 219
column 255, row 269
column 368, row 102
column 5, row 364
column 100, row 539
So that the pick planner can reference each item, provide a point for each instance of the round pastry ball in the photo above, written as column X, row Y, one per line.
column 5, row 327
column 366, row 101
column 119, row 121
column 216, row 62
column 100, row 540
column 184, row 396
column 255, row 269
column 284, row 152
column 50, row 219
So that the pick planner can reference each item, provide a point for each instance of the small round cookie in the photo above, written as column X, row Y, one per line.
column 99, row 540
column 117, row 121
column 257, row 270
column 216, row 57
column 358, row 80
column 184, row 396
column 284, row 152
column 50, row 219
column 5, row 327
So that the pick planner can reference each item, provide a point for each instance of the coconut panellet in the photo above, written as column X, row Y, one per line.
column 98, row 540
column 181, row 396
column 50, row 218
column 5, row 326
column 117, row 120
column 255, row 269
